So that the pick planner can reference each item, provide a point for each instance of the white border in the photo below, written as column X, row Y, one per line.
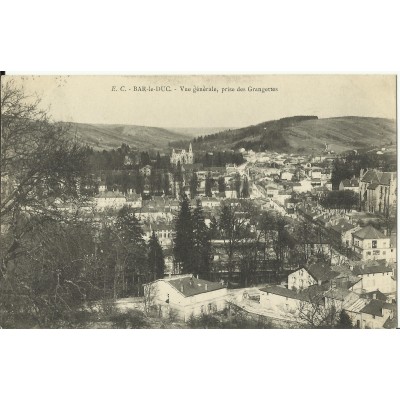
column 206, row 37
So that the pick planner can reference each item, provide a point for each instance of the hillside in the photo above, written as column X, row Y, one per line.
column 305, row 134
column 106, row 137
column 189, row 131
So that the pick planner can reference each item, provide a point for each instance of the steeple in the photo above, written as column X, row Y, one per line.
column 190, row 147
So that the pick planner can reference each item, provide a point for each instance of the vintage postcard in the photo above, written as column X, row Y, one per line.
column 198, row 201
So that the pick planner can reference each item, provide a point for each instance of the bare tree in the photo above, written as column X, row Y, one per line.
column 40, row 166
column 234, row 222
column 317, row 311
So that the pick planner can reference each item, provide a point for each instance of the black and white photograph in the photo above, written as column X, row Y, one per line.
column 198, row 201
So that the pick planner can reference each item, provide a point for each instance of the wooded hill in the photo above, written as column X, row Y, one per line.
column 305, row 134
column 107, row 137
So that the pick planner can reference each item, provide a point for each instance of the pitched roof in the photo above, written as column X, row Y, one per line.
column 378, row 177
column 320, row 272
column 342, row 226
column 282, row 291
column 369, row 232
column 158, row 226
column 110, row 195
column 350, row 182
column 374, row 307
column 190, row 286
column 378, row 295
column 370, row 267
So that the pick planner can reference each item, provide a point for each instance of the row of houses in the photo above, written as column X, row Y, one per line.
column 364, row 292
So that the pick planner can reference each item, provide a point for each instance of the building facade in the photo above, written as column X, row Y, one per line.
column 182, row 156
column 371, row 244
column 378, row 191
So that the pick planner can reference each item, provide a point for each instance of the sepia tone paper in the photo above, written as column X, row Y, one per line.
column 200, row 201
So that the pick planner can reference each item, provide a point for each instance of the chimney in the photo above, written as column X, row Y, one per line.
column 206, row 286
column 374, row 296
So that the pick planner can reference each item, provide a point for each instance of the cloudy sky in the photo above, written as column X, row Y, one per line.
column 113, row 100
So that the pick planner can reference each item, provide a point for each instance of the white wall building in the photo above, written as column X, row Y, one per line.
column 113, row 200
column 185, row 296
column 371, row 244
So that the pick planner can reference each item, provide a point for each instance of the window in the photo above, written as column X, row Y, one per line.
column 384, row 253
column 374, row 244
column 376, row 252
column 368, row 253
column 202, row 309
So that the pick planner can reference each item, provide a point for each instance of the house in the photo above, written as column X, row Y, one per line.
column 162, row 230
column 185, row 296
column 280, row 299
column 154, row 214
column 286, row 176
column 378, row 191
column 313, row 274
column 375, row 314
column 210, row 202
column 272, row 191
column 316, row 173
column 305, row 186
column 374, row 275
column 350, row 184
column 341, row 232
column 340, row 298
column 134, row 200
column 370, row 244
column 113, row 200
column 289, row 304
column 102, row 187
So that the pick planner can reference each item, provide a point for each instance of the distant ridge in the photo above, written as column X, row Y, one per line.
column 302, row 134
column 106, row 137
column 305, row 134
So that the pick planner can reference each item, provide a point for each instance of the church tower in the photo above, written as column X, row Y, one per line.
column 190, row 154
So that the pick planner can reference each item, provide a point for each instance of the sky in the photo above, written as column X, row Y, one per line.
column 111, row 99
